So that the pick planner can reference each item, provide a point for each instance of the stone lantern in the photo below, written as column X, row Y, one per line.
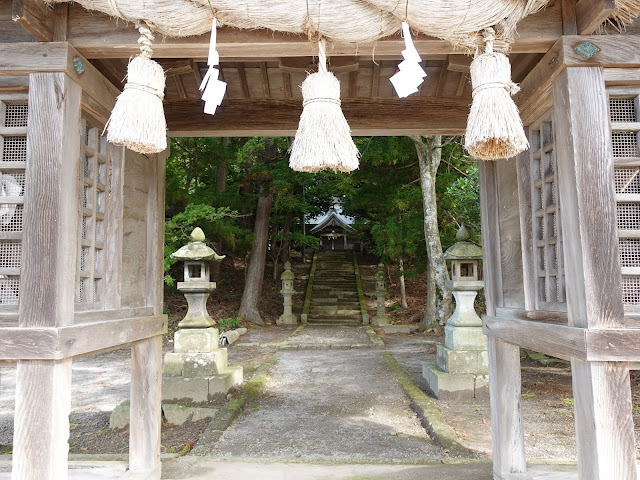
column 197, row 370
column 381, row 317
column 462, row 362
column 287, row 277
column 197, row 257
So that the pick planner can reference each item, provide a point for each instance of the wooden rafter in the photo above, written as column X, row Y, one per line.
column 266, row 88
column 590, row 14
column 36, row 17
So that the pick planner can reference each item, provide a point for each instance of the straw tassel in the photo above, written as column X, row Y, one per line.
column 494, row 127
column 323, row 139
column 137, row 120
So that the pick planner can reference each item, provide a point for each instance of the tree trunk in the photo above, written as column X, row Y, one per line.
column 255, row 271
column 221, row 169
column 430, row 321
column 403, row 290
column 429, row 156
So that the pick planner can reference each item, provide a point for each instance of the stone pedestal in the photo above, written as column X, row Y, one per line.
column 381, row 317
column 197, row 371
column 287, row 277
column 462, row 367
column 197, row 294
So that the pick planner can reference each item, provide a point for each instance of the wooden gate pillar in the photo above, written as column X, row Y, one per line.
column 48, row 272
column 602, row 392
column 505, row 382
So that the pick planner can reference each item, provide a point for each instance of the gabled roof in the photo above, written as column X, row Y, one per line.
column 333, row 218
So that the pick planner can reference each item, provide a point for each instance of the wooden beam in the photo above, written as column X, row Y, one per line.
column 196, row 72
column 97, row 36
column 569, row 20
column 60, row 19
column 459, row 63
column 54, row 137
column 604, row 423
column 505, row 386
column 286, row 84
column 99, row 94
column 430, row 115
column 375, row 80
column 590, row 14
column 41, row 431
column 36, row 17
column 145, row 410
column 303, row 65
column 49, row 343
column 182, row 92
column 353, row 84
column 462, row 84
column 442, row 77
column 243, row 80
column 557, row 340
column 585, row 166
column 266, row 88
column 491, row 264
column 606, row 447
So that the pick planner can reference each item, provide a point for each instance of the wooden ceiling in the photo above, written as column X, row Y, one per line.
column 263, row 70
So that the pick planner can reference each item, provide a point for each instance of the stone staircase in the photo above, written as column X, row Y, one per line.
column 334, row 294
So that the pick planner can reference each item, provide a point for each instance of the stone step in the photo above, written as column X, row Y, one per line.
column 333, row 321
column 343, row 304
column 330, row 317
column 322, row 310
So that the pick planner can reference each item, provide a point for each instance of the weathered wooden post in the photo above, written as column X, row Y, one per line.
column 462, row 363
column 381, row 317
column 197, row 370
column 287, row 277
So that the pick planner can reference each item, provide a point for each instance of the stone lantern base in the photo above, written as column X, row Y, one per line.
column 462, row 369
column 287, row 319
column 197, row 371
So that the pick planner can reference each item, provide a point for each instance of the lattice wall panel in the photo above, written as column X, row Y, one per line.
column 13, row 156
column 549, row 262
column 624, row 116
column 93, row 200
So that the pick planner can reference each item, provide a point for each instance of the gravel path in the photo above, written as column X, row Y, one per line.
column 339, row 404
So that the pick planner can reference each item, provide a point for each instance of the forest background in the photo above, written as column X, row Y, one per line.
column 407, row 193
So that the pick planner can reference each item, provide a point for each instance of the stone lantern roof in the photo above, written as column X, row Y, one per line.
column 463, row 250
column 197, row 250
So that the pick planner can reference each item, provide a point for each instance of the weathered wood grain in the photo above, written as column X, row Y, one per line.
column 385, row 117
column 41, row 422
column 548, row 338
column 606, row 447
column 523, row 167
column 590, row 14
column 50, row 211
column 113, row 236
column 35, row 17
column 569, row 21
column 510, row 242
column 613, row 345
column 490, row 236
column 604, row 424
column 506, row 409
column 98, row 95
column 137, row 171
column 49, row 343
column 585, row 184
column 86, row 338
column 146, row 383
